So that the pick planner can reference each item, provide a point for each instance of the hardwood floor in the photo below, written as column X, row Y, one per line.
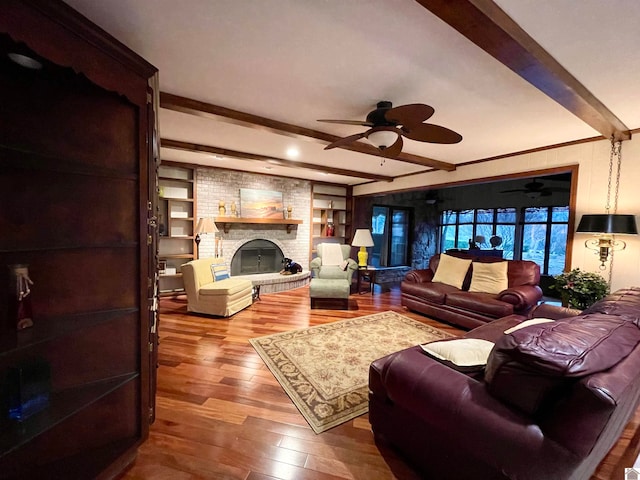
column 222, row 415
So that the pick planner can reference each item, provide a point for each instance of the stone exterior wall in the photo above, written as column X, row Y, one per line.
column 424, row 221
column 214, row 185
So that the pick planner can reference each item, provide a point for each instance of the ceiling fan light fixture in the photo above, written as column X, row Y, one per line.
column 382, row 138
column 533, row 194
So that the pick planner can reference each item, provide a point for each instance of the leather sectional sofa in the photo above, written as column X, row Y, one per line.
column 468, row 309
column 551, row 402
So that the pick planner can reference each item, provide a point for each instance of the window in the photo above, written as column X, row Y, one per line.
column 458, row 228
column 532, row 233
column 544, row 237
column 390, row 231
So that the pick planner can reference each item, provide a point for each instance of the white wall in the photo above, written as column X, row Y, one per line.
column 593, row 161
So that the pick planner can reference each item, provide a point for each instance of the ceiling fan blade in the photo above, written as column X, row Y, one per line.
column 515, row 190
column 535, row 185
column 394, row 150
column 427, row 132
column 361, row 123
column 410, row 115
column 346, row 140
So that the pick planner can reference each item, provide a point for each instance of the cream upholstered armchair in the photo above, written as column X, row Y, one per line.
column 332, row 272
column 217, row 294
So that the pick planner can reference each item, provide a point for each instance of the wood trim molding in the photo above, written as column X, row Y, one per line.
column 490, row 28
column 207, row 110
column 198, row 148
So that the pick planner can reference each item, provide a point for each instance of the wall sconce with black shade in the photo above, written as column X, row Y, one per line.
column 605, row 226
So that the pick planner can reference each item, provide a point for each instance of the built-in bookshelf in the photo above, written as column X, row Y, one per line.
column 176, row 224
column 330, row 214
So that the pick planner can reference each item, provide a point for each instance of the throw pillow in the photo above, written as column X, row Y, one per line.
column 463, row 354
column 489, row 277
column 219, row 272
column 528, row 323
column 451, row 270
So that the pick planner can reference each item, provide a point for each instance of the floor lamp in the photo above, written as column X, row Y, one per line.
column 205, row 225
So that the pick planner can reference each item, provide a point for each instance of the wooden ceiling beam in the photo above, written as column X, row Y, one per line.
column 207, row 110
column 490, row 28
column 224, row 152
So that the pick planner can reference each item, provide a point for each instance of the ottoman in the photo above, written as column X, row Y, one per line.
column 329, row 290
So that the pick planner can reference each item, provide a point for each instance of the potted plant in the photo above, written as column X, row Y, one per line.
column 580, row 289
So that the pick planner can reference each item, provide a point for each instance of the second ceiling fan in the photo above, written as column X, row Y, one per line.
column 536, row 189
column 389, row 124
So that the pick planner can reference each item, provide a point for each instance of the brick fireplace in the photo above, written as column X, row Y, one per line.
column 214, row 185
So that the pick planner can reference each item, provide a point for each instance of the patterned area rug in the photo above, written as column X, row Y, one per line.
column 325, row 369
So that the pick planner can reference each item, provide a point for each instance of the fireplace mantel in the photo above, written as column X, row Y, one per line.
column 227, row 221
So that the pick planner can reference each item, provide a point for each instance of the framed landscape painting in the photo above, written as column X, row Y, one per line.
column 261, row 203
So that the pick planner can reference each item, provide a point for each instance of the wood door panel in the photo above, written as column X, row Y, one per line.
column 85, row 362
column 50, row 210
column 74, row 281
column 84, row 123
column 111, row 419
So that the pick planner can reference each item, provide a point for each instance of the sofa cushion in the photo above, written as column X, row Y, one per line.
column 452, row 270
column 434, row 293
column 489, row 277
column 227, row 287
column 483, row 303
column 332, row 272
column 462, row 354
column 527, row 367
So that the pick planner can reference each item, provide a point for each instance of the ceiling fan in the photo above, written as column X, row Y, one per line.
column 536, row 189
column 389, row 124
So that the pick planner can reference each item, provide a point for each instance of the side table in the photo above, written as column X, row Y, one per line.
column 370, row 274
column 366, row 274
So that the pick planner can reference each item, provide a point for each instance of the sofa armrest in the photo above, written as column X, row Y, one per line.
column 315, row 265
column 352, row 266
column 419, row 276
column 440, row 398
column 522, row 297
column 555, row 312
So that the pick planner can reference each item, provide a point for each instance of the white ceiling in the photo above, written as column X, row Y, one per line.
column 297, row 61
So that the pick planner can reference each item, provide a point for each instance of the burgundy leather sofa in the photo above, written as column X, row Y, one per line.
column 472, row 309
column 551, row 402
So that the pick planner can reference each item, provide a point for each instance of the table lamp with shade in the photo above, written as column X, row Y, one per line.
column 204, row 226
column 362, row 239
